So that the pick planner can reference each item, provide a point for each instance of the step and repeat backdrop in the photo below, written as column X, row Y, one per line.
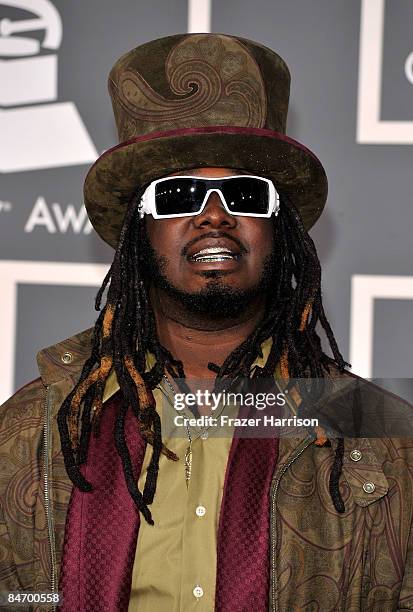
column 351, row 102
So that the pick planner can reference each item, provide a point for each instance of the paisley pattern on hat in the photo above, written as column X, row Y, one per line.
column 215, row 82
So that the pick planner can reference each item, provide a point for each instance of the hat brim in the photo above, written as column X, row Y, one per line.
column 119, row 172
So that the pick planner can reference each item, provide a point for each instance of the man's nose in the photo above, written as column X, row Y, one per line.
column 214, row 213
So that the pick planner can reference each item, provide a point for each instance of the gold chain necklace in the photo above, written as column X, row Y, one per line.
column 188, row 452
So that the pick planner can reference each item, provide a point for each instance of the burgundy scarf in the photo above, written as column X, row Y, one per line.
column 102, row 526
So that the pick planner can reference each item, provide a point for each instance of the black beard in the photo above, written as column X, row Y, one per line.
column 216, row 300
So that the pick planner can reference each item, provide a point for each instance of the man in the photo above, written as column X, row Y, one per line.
column 207, row 203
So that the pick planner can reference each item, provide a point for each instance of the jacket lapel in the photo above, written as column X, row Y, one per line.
column 60, row 367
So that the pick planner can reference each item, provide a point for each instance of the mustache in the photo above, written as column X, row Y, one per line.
column 237, row 241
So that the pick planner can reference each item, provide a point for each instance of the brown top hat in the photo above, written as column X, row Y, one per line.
column 193, row 100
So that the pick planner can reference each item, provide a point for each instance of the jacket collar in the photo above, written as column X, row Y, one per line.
column 112, row 384
column 65, row 359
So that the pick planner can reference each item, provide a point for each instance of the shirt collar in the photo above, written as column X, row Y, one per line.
column 112, row 385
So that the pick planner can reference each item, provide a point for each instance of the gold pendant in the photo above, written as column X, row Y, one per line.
column 188, row 463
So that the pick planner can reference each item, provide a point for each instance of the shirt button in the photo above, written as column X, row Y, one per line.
column 204, row 435
column 355, row 455
column 200, row 511
column 198, row 591
column 67, row 357
column 369, row 487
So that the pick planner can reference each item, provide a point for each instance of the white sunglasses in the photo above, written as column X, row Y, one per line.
column 245, row 195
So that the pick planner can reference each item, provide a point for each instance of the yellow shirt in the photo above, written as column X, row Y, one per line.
column 175, row 560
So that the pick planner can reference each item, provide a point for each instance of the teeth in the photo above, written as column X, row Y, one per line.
column 210, row 250
column 213, row 254
column 213, row 257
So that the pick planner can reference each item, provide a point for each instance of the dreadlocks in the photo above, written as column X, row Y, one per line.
column 125, row 331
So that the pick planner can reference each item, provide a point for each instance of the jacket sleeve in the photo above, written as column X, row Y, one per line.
column 20, row 435
column 9, row 580
column 406, row 594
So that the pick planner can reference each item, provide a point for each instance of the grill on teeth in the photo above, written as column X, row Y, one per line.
column 221, row 257
column 213, row 254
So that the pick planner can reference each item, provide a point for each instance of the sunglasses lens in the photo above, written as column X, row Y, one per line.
column 179, row 196
column 246, row 195
column 184, row 195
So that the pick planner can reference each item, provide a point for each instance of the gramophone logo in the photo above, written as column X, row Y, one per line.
column 36, row 131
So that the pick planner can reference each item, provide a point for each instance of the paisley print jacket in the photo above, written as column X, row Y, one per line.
column 360, row 560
